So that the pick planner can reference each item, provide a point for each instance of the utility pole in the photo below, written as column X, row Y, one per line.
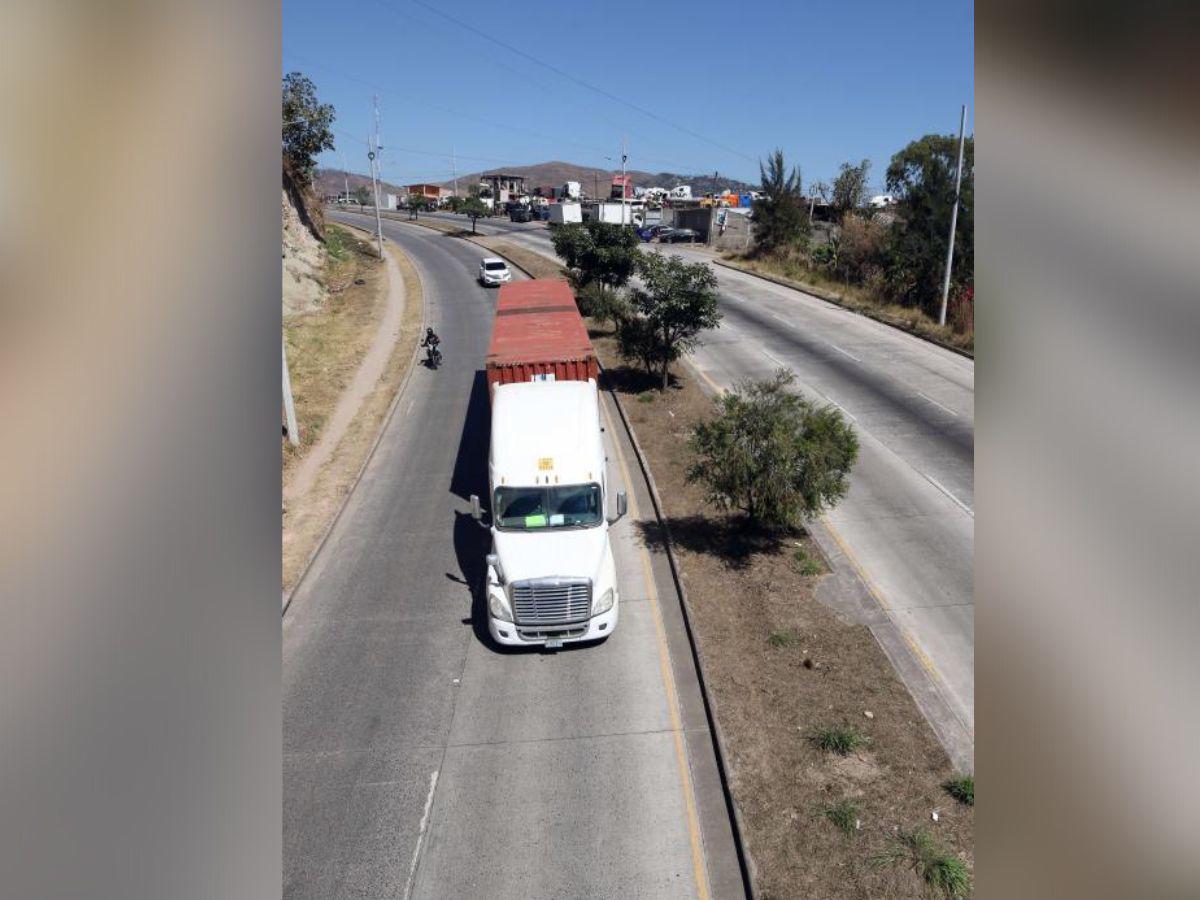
column 345, row 175
column 289, row 408
column 624, row 156
column 962, row 125
column 454, row 168
column 373, row 156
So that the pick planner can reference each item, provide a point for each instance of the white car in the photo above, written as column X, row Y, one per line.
column 494, row 272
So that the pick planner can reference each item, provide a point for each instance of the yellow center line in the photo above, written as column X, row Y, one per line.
column 664, row 662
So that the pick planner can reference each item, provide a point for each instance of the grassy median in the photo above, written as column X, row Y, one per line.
column 830, row 757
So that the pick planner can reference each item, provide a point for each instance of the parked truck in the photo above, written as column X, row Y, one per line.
column 550, row 576
column 565, row 213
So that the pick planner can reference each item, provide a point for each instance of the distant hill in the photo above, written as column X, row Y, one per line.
column 597, row 181
column 331, row 182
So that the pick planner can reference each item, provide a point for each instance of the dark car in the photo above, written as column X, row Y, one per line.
column 654, row 231
column 520, row 214
column 680, row 236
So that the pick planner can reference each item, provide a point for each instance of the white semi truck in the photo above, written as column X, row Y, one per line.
column 550, row 576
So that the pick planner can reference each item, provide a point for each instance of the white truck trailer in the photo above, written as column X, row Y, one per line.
column 565, row 213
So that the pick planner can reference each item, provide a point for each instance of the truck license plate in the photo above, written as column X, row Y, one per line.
column 554, row 644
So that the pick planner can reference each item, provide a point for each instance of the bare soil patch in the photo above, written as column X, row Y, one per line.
column 779, row 665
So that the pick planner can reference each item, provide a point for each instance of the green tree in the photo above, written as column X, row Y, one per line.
column 415, row 203
column 474, row 207
column 922, row 177
column 603, row 304
column 307, row 124
column 772, row 454
column 849, row 191
column 779, row 216
column 361, row 195
column 454, row 203
column 597, row 252
column 678, row 300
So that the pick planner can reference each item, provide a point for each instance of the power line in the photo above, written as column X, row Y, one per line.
column 491, row 39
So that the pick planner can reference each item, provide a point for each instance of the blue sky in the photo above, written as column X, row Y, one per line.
column 718, row 85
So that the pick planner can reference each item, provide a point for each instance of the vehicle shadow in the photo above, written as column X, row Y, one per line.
column 472, row 541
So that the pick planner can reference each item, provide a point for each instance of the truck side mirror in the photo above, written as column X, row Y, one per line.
column 622, row 504
column 476, row 510
column 493, row 560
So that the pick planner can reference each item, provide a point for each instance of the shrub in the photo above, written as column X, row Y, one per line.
column 782, row 638
column 772, row 454
column 962, row 789
column 844, row 815
column 840, row 739
column 941, row 871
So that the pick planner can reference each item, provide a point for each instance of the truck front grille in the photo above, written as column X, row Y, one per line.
column 551, row 601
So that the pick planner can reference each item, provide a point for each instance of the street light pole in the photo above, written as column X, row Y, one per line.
column 962, row 125
column 373, row 155
column 624, row 156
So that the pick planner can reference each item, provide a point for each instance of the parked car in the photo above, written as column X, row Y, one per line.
column 655, row 231
column 520, row 214
column 680, row 236
column 494, row 272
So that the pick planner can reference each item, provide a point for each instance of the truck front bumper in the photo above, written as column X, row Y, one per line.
column 510, row 635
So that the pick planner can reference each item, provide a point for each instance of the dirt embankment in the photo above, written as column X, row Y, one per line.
column 303, row 246
column 780, row 667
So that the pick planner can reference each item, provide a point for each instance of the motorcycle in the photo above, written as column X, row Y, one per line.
column 433, row 357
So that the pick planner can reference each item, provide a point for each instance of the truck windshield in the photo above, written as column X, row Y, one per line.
column 547, row 506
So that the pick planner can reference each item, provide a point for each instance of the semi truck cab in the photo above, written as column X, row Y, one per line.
column 550, row 576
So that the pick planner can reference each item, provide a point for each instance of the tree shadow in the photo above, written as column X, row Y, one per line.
column 732, row 539
column 626, row 379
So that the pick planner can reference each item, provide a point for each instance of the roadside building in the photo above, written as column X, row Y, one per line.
column 504, row 186
column 432, row 192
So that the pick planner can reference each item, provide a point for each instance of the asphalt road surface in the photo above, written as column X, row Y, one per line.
column 907, row 524
column 419, row 761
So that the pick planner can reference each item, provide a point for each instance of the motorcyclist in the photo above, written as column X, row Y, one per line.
column 431, row 340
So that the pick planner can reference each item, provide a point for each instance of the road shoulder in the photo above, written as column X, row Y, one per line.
column 317, row 489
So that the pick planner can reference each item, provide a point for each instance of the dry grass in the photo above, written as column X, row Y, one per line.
column 781, row 666
column 795, row 274
column 324, row 347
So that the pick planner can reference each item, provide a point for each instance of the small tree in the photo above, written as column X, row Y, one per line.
column 850, row 188
column 474, row 207
column 679, row 300
column 603, row 304
column 597, row 252
column 454, row 204
column 307, row 124
column 922, row 175
column 779, row 216
column 361, row 195
column 416, row 203
column 773, row 455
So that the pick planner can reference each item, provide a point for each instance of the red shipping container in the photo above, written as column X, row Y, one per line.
column 538, row 331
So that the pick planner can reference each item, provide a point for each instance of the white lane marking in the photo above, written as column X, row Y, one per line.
column 775, row 359
column 412, row 868
column 843, row 352
column 941, row 487
column 411, row 404
column 777, row 317
column 938, row 405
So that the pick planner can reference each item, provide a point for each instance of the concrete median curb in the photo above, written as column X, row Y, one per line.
column 404, row 263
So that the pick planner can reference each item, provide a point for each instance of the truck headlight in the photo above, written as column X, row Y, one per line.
column 498, row 607
column 603, row 603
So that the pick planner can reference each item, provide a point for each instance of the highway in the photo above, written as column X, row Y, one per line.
column 419, row 760
column 907, row 524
